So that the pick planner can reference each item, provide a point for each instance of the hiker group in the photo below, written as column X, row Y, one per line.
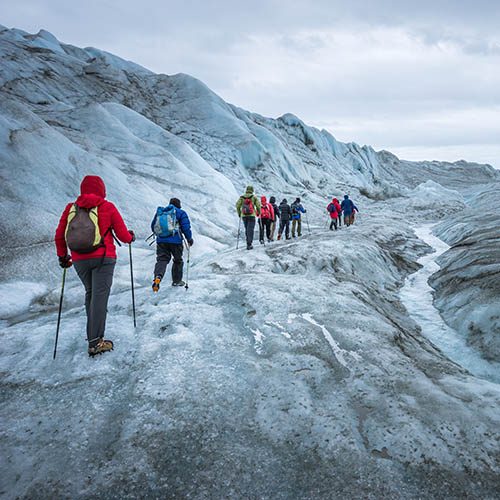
column 267, row 213
column 249, row 210
column 89, row 227
column 347, row 207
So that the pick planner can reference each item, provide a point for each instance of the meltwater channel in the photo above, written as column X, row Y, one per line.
column 416, row 295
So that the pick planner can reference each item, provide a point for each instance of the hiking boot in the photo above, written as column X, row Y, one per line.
column 279, row 236
column 293, row 236
column 299, row 234
column 178, row 283
column 288, row 238
column 261, row 242
column 156, row 283
column 102, row 346
column 249, row 247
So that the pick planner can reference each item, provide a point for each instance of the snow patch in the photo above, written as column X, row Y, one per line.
column 337, row 350
column 259, row 340
column 16, row 298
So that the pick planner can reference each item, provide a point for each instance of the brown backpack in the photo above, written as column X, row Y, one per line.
column 82, row 231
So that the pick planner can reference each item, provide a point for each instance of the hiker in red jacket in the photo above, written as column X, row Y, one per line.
column 334, row 211
column 266, row 218
column 94, row 268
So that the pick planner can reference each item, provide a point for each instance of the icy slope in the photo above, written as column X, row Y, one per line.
column 58, row 118
column 468, row 283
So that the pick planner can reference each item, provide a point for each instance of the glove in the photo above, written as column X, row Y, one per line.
column 191, row 242
column 133, row 236
column 65, row 261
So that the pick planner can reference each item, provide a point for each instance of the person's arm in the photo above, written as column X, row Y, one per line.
column 355, row 207
column 302, row 209
column 119, row 227
column 238, row 205
column 185, row 226
column 60, row 238
column 257, row 205
column 153, row 223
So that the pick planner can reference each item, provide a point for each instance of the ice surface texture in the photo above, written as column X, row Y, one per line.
column 292, row 371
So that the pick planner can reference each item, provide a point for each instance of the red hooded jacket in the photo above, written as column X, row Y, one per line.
column 93, row 192
column 337, row 210
column 267, row 210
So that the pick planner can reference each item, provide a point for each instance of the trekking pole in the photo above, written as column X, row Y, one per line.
column 238, row 238
column 189, row 253
column 60, row 309
column 132, row 281
column 307, row 221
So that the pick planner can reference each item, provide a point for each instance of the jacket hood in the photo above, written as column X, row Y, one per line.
column 93, row 184
column 283, row 201
column 263, row 200
column 249, row 190
column 335, row 200
column 272, row 199
column 93, row 192
column 345, row 197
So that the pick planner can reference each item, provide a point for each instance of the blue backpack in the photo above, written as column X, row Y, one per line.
column 166, row 222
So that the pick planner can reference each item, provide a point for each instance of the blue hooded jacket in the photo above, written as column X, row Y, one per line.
column 184, row 227
column 347, row 206
column 299, row 207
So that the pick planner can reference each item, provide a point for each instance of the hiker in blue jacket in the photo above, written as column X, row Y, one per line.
column 348, row 207
column 170, row 246
column 296, row 208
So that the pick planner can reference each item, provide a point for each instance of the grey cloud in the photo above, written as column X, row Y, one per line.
column 374, row 99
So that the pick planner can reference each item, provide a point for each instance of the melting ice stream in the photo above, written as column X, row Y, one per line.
column 416, row 295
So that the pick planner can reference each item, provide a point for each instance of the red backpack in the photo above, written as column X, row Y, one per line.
column 266, row 212
column 247, row 206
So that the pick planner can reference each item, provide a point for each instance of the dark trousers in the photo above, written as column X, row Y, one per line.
column 265, row 224
column 249, row 223
column 164, row 252
column 97, row 278
column 333, row 223
column 284, row 224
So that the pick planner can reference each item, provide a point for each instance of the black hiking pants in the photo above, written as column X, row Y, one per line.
column 249, row 223
column 333, row 223
column 97, row 278
column 265, row 225
column 164, row 252
column 284, row 225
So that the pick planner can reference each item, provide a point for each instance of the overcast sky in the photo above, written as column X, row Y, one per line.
column 419, row 78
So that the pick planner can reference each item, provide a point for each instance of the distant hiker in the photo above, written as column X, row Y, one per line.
column 285, row 215
column 348, row 208
column 276, row 213
column 168, row 225
column 334, row 211
column 86, row 227
column 296, row 208
column 265, row 219
column 248, row 208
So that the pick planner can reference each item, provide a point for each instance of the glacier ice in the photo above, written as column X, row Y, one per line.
column 292, row 371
